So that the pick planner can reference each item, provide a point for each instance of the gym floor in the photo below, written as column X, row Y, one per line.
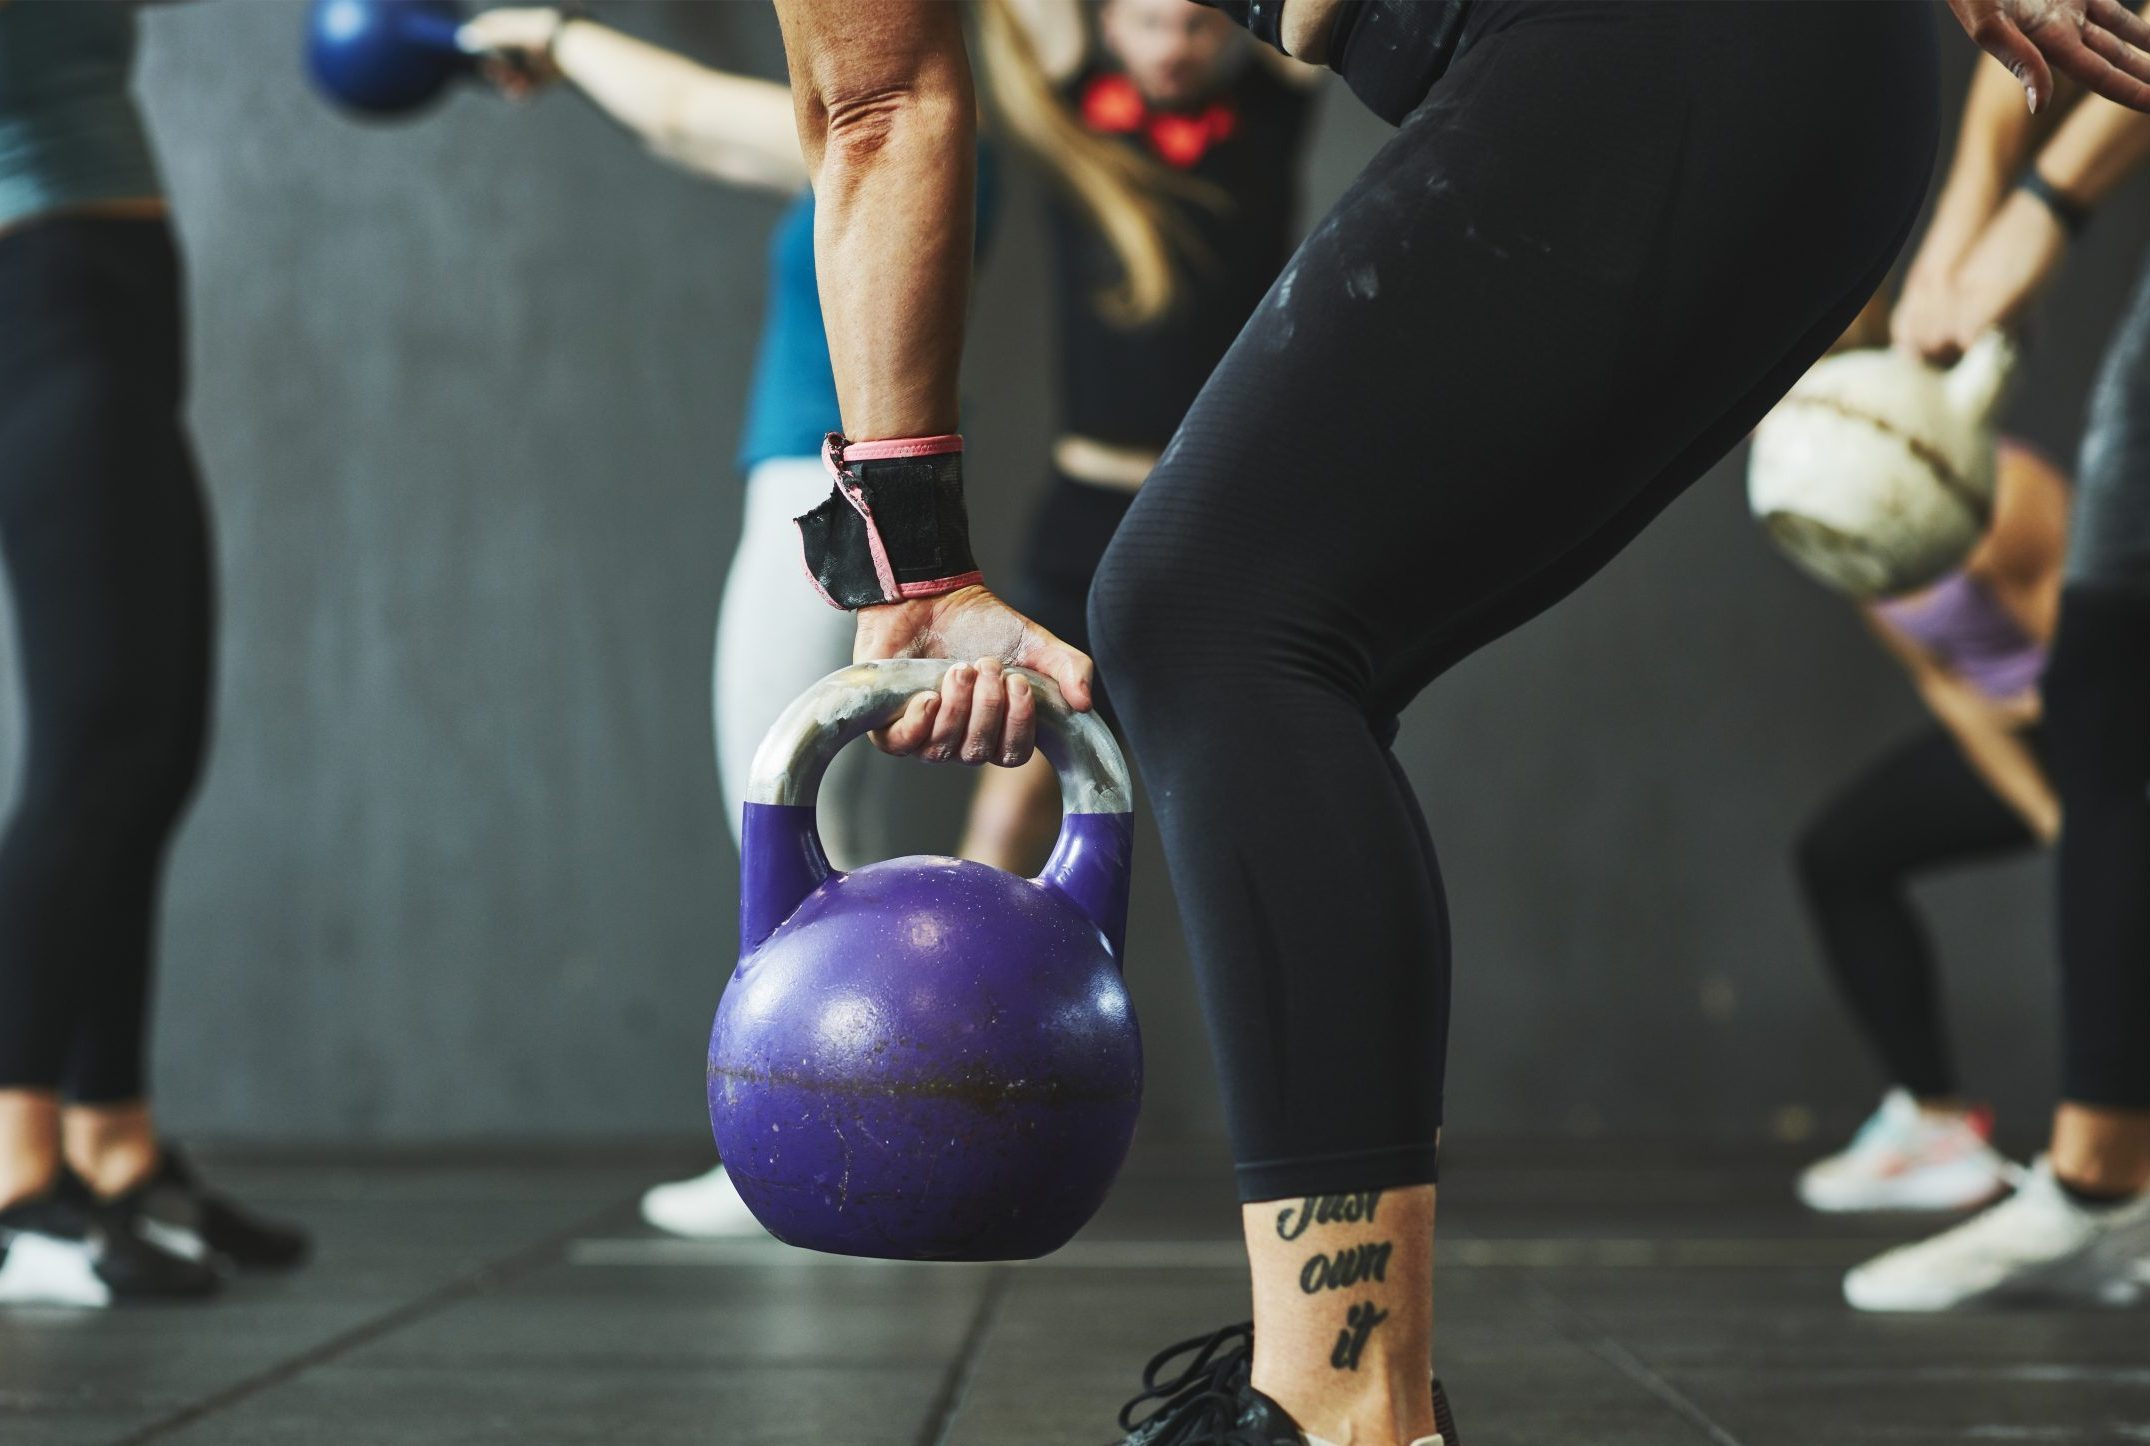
column 1590, row 1297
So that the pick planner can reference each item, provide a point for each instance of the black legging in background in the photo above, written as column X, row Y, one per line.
column 1587, row 263
column 1918, row 807
column 2097, row 712
column 106, row 542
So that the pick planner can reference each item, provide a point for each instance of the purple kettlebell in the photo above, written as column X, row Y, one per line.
column 926, row 1059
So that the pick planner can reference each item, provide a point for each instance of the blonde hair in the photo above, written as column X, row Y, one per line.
column 1123, row 191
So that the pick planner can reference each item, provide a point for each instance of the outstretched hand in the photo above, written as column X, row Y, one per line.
column 982, row 714
column 515, row 48
column 2100, row 44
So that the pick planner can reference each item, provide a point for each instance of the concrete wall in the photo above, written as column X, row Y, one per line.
column 466, row 393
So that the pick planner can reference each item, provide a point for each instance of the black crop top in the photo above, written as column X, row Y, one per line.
column 1390, row 52
column 1129, row 386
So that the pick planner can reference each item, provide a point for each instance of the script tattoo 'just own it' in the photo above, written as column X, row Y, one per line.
column 1293, row 1220
column 1351, row 1340
column 1346, row 1268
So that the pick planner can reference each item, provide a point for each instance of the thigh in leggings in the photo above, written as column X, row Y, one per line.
column 105, row 536
column 775, row 639
column 2097, row 698
column 1546, row 306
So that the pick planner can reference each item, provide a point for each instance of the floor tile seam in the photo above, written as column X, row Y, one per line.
column 488, row 1275
column 1579, row 1328
column 947, row 1409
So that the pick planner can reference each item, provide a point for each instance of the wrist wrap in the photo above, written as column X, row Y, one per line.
column 894, row 526
column 2072, row 214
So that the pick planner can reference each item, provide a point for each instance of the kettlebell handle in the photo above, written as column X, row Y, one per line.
column 1979, row 382
column 781, row 857
column 853, row 701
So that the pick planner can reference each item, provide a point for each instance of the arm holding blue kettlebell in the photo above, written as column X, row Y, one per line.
column 732, row 128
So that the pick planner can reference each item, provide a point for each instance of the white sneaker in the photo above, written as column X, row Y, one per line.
column 707, row 1207
column 1905, row 1159
column 2037, row 1245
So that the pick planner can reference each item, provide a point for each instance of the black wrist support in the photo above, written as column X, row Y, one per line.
column 2072, row 214
column 894, row 525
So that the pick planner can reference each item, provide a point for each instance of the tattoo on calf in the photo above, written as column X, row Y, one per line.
column 1351, row 1340
column 1347, row 1267
column 1293, row 1220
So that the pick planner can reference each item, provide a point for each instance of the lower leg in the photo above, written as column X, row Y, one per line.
column 1343, row 1312
column 1917, row 807
column 1013, row 815
column 29, row 1143
column 2102, row 1151
column 113, row 1147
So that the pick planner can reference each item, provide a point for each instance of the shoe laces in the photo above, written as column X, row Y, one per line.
column 1201, row 1403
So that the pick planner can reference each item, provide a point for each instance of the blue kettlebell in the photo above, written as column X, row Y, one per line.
column 385, row 57
column 926, row 1058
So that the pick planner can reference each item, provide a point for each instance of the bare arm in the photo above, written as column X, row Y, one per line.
column 731, row 128
column 887, row 122
column 1993, row 141
column 882, row 95
column 2020, row 251
column 2095, row 149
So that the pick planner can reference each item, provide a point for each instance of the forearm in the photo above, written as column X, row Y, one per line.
column 2094, row 150
column 1993, row 144
column 730, row 127
column 888, row 127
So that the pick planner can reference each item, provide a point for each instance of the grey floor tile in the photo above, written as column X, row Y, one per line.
column 609, row 1405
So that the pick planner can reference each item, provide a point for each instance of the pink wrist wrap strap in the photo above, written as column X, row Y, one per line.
column 893, row 526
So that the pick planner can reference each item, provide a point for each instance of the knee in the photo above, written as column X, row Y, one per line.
column 1147, row 621
column 1827, row 861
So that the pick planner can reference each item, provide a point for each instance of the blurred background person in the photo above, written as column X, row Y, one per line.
column 104, row 528
column 1175, row 147
column 1970, row 786
column 2078, row 1229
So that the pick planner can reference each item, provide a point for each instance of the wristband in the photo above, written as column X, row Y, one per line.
column 893, row 526
column 2073, row 215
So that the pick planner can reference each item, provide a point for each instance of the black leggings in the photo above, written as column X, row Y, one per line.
column 1606, row 242
column 1917, row 807
column 107, row 550
column 2097, row 713
column 2097, row 697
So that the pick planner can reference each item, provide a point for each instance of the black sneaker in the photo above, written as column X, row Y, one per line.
column 65, row 1248
column 1212, row 1401
column 173, row 1209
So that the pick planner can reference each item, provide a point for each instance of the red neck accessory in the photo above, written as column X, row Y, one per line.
column 1111, row 103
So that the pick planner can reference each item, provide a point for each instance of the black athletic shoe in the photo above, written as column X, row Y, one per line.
column 1212, row 1401
column 172, row 1208
column 66, row 1248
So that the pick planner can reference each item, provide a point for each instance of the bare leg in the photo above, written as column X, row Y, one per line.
column 2102, row 1150
column 1343, row 1312
column 29, row 1143
column 112, row 1147
column 1013, row 816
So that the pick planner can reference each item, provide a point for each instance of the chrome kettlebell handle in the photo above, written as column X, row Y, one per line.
column 853, row 701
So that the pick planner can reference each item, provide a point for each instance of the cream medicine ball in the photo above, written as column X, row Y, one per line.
column 1875, row 472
